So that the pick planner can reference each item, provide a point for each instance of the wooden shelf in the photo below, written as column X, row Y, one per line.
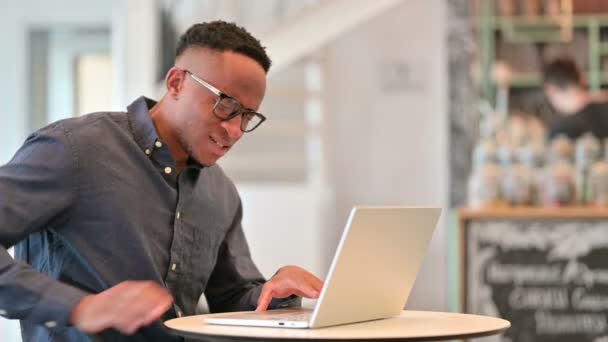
column 533, row 212
column 578, row 21
column 532, row 30
column 534, row 79
column 525, row 80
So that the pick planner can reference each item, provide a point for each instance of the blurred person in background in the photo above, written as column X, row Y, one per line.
column 566, row 91
column 121, row 220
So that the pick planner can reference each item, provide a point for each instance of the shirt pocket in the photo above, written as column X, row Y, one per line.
column 205, row 242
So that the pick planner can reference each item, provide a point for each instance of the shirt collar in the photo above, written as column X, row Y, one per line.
column 143, row 128
column 144, row 131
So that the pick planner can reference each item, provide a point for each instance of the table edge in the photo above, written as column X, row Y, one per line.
column 223, row 337
column 277, row 339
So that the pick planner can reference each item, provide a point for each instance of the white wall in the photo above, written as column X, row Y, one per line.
column 17, row 17
column 135, row 30
column 386, row 133
column 282, row 223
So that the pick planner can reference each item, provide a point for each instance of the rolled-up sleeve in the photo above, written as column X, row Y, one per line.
column 37, row 189
column 236, row 283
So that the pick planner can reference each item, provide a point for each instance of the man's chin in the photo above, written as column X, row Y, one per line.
column 209, row 161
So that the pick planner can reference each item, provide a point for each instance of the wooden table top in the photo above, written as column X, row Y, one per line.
column 410, row 325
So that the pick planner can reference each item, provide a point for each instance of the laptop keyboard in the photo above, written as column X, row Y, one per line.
column 275, row 316
column 302, row 317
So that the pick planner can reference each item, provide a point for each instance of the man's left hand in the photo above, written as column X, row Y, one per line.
column 289, row 280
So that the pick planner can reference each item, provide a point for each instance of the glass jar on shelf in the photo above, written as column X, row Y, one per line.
column 598, row 184
column 484, row 186
column 517, row 185
column 587, row 152
column 558, row 184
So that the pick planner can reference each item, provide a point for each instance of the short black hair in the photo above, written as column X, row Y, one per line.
column 562, row 72
column 223, row 36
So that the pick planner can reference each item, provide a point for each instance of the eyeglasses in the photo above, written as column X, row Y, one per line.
column 226, row 107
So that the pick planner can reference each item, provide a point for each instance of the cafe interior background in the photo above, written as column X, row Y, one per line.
column 383, row 102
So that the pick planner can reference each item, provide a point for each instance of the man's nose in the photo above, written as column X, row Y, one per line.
column 233, row 127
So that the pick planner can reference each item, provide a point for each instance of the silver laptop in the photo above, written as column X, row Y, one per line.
column 371, row 275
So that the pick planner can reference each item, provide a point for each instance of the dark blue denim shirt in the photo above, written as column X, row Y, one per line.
column 92, row 201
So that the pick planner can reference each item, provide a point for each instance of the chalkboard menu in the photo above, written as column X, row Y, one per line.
column 547, row 276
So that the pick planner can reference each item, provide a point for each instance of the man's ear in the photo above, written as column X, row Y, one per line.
column 174, row 81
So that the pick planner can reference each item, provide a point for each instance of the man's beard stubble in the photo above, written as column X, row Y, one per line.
column 186, row 146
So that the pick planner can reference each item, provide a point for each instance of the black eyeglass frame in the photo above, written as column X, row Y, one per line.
column 241, row 110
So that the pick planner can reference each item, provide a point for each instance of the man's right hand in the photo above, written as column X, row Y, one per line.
column 125, row 307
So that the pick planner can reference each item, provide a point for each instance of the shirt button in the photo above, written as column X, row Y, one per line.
column 50, row 324
column 173, row 267
column 178, row 215
column 3, row 312
column 147, row 151
column 158, row 144
column 168, row 170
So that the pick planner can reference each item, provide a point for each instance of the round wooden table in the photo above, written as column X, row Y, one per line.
column 410, row 325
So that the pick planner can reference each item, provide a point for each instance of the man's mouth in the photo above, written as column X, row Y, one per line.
column 218, row 143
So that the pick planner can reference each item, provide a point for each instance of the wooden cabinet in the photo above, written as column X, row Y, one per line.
column 543, row 269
